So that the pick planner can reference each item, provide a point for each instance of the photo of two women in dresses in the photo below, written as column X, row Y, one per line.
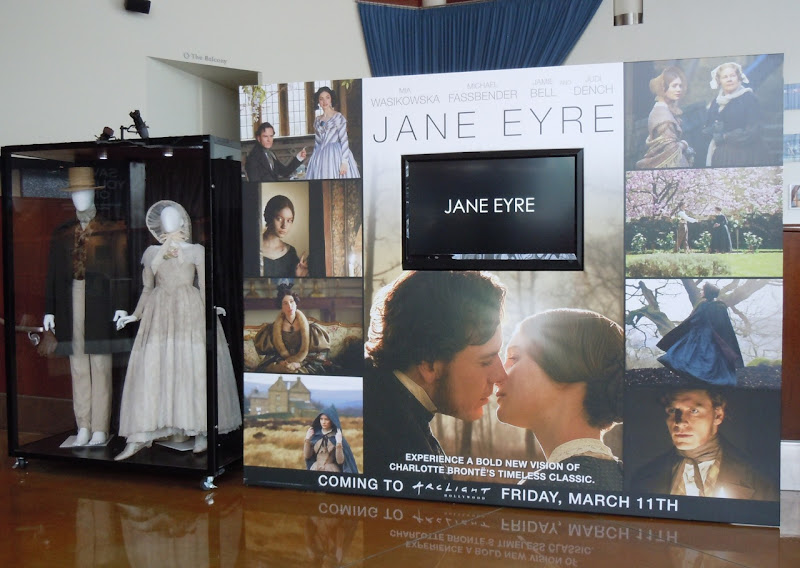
column 324, row 142
column 710, row 112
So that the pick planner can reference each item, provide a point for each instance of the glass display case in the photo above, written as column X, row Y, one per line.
column 122, row 277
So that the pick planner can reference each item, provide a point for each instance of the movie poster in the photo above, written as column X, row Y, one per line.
column 513, row 386
column 473, row 455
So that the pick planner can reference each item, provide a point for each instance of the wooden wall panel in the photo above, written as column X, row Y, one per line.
column 790, row 394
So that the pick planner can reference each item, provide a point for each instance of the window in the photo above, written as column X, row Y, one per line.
column 287, row 107
column 257, row 104
column 296, row 102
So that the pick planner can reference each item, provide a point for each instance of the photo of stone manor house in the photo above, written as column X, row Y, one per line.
column 282, row 397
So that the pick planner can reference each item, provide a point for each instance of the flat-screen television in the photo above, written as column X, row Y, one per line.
column 502, row 210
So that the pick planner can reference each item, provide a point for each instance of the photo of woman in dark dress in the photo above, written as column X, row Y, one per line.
column 279, row 258
column 734, row 121
column 720, row 234
column 704, row 345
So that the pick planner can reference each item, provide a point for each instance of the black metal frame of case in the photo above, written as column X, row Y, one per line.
column 223, row 450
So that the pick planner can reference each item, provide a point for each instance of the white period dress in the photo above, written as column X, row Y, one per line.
column 165, row 384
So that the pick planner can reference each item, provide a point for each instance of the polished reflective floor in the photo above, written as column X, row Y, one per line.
column 67, row 514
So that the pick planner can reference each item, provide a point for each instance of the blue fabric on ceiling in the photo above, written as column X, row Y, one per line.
column 503, row 34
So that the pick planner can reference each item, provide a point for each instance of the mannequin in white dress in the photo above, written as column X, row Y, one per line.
column 165, row 386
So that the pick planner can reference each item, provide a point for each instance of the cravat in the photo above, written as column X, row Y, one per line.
column 698, row 478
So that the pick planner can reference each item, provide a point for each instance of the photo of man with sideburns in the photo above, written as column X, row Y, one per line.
column 433, row 347
column 702, row 462
column 262, row 164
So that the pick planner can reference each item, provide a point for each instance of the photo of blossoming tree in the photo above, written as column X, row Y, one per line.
column 704, row 222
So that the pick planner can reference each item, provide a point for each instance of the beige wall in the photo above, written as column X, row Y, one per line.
column 675, row 29
column 69, row 68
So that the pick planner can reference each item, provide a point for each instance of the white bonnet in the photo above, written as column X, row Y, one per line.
column 153, row 220
column 713, row 83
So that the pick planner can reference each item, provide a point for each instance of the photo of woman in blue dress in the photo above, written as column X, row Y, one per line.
column 332, row 158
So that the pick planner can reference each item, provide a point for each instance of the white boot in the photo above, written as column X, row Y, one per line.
column 130, row 449
column 200, row 444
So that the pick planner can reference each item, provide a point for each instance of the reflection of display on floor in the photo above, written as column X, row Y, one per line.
column 271, row 442
column 327, row 535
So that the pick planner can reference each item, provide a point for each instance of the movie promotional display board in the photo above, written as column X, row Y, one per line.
column 554, row 288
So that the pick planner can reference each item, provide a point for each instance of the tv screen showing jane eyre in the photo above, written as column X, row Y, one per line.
column 505, row 210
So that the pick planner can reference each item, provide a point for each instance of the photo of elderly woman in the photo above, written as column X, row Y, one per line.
column 564, row 382
column 324, row 447
column 734, row 120
column 665, row 148
column 331, row 158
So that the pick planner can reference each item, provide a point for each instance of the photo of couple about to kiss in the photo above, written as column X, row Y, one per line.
column 435, row 346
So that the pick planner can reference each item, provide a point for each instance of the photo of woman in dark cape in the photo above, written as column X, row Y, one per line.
column 720, row 233
column 704, row 345
column 325, row 448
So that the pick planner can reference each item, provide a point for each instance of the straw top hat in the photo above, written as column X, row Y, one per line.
column 81, row 179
